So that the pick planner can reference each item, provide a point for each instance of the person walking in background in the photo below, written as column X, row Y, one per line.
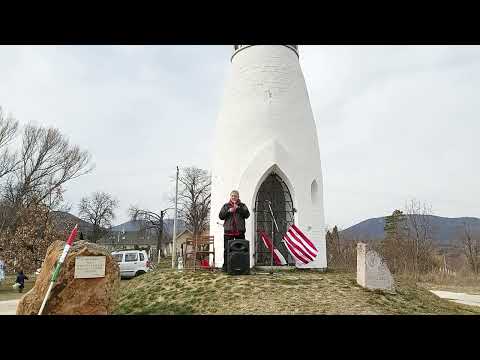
column 21, row 277
column 2, row 271
column 234, row 214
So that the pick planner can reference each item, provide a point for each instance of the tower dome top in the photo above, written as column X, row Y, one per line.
column 238, row 48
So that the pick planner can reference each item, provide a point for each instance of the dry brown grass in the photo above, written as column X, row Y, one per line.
column 291, row 292
column 164, row 263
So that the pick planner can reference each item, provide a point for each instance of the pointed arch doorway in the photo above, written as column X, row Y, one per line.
column 275, row 190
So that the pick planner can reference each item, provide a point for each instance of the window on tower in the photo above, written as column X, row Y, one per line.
column 314, row 192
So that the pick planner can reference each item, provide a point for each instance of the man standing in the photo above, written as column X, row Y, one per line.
column 234, row 214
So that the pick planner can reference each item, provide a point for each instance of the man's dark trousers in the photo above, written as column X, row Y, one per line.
column 226, row 239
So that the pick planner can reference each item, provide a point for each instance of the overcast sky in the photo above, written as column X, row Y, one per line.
column 394, row 122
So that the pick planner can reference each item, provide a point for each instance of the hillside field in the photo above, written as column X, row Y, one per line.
column 164, row 291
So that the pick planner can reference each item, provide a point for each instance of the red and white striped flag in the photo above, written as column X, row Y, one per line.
column 277, row 255
column 301, row 248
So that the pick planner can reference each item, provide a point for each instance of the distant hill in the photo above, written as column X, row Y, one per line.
column 128, row 232
column 65, row 220
column 446, row 231
column 136, row 225
column 132, row 225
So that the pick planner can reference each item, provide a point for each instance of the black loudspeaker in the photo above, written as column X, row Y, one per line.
column 238, row 257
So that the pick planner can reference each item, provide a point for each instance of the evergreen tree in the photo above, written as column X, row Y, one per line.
column 392, row 245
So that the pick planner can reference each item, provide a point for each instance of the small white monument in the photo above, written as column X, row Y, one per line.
column 372, row 271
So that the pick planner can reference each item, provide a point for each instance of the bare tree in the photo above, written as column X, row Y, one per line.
column 151, row 221
column 47, row 161
column 342, row 253
column 8, row 130
column 98, row 210
column 419, row 236
column 471, row 248
column 32, row 186
column 194, row 198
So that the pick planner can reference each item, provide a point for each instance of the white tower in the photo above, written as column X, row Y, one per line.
column 267, row 148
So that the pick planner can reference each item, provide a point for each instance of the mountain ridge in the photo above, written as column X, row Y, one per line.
column 446, row 231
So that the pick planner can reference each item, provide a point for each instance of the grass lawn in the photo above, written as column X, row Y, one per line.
column 164, row 291
column 9, row 293
column 164, row 263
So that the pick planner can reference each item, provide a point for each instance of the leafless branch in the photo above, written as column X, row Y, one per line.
column 98, row 210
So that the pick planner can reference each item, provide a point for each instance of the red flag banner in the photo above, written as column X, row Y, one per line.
column 277, row 255
column 301, row 248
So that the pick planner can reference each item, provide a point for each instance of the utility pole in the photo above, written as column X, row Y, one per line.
column 174, row 250
column 160, row 234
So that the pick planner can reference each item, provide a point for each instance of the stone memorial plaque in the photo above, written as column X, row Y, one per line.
column 88, row 267
column 372, row 271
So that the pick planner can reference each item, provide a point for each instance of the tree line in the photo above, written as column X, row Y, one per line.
column 407, row 247
column 35, row 165
column 193, row 206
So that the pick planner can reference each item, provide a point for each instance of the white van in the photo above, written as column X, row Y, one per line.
column 132, row 262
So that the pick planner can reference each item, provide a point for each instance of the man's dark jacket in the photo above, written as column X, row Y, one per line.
column 234, row 223
column 21, row 279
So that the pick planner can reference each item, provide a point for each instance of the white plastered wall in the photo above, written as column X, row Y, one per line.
column 266, row 124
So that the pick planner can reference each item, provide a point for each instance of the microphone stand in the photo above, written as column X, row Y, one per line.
column 273, row 222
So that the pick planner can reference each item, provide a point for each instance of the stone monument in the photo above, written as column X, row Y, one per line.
column 372, row 271
column 87, row 284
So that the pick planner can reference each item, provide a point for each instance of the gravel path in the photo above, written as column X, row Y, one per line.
column 8, row 307
column 460, row 298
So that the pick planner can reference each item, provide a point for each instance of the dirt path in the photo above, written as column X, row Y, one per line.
column 461, row 298
column 8, row 307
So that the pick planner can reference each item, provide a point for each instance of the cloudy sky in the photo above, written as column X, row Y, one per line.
column 394, row 122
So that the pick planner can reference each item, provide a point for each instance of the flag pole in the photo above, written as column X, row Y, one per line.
column 60, row 261
column 273, row 217
column 273, row 235
column 174, row 250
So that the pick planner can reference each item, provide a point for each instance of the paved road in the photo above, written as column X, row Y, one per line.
column 460, row 298
column 8, row 307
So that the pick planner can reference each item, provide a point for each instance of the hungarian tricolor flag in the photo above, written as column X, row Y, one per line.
column 67, row 247
column 58, row 266
column 277, row 256
column 301, row 248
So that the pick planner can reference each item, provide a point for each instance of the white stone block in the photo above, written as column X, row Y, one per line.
column 372, row 271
